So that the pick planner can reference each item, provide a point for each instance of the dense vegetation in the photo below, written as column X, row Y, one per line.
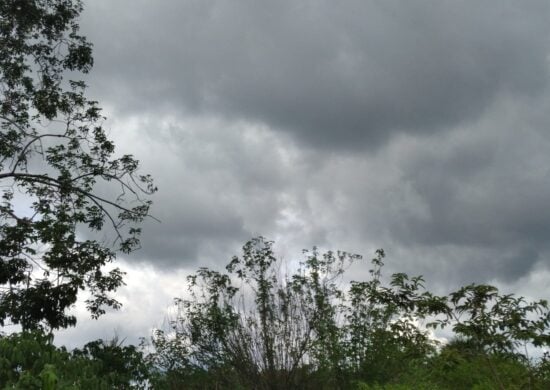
column 254, row 328
column 250, row 326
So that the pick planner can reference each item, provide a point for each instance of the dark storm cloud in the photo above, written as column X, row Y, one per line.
column 434, row 114
column 472, row 201
column 334, row 74
column 485, row 189
column 417, row 126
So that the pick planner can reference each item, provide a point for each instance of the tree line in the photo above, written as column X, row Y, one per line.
column 253, row 327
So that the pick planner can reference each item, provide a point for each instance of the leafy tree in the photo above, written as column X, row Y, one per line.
column 258, row 335
column 29, row 360
column 499, row 323
column 382, row 338
column 494, row 332
column 256, row 328
column 58, row 172
column 119, row 366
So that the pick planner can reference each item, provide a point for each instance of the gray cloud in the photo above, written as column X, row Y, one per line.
column 488, row 187
column 477, row 193
column 334, row 75
column 420, row 127
column 220, row 184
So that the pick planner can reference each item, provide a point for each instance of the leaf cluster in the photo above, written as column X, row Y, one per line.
column 29, row 360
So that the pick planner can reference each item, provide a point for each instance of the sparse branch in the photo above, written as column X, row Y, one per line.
column 36, row 138
column 45, row 179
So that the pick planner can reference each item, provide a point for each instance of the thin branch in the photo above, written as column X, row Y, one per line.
column 44, row 179
column 35, row 139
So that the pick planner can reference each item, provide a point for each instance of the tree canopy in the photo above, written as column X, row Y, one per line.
column 254, row 327
column 61, row 179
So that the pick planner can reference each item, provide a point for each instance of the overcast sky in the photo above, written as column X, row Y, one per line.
column 420, row 127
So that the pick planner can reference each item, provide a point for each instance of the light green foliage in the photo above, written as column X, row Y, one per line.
column 55, row 154
column 29, row 360
column 49, row 378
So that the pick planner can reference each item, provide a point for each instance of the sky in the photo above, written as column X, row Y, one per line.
column 420, row 127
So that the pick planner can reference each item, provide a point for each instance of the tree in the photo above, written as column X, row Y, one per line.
column 58, row 172
column 30, row 360
column 495, row 323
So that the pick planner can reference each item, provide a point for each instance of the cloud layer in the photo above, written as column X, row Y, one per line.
column 419, row 127
column 334, row 75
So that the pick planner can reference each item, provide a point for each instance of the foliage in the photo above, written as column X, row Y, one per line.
column 273, row 331
column 117, row 365
column 58, row 172
column 254, row 327
column 499, row 323
column 381, row 329
column 29, row 360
